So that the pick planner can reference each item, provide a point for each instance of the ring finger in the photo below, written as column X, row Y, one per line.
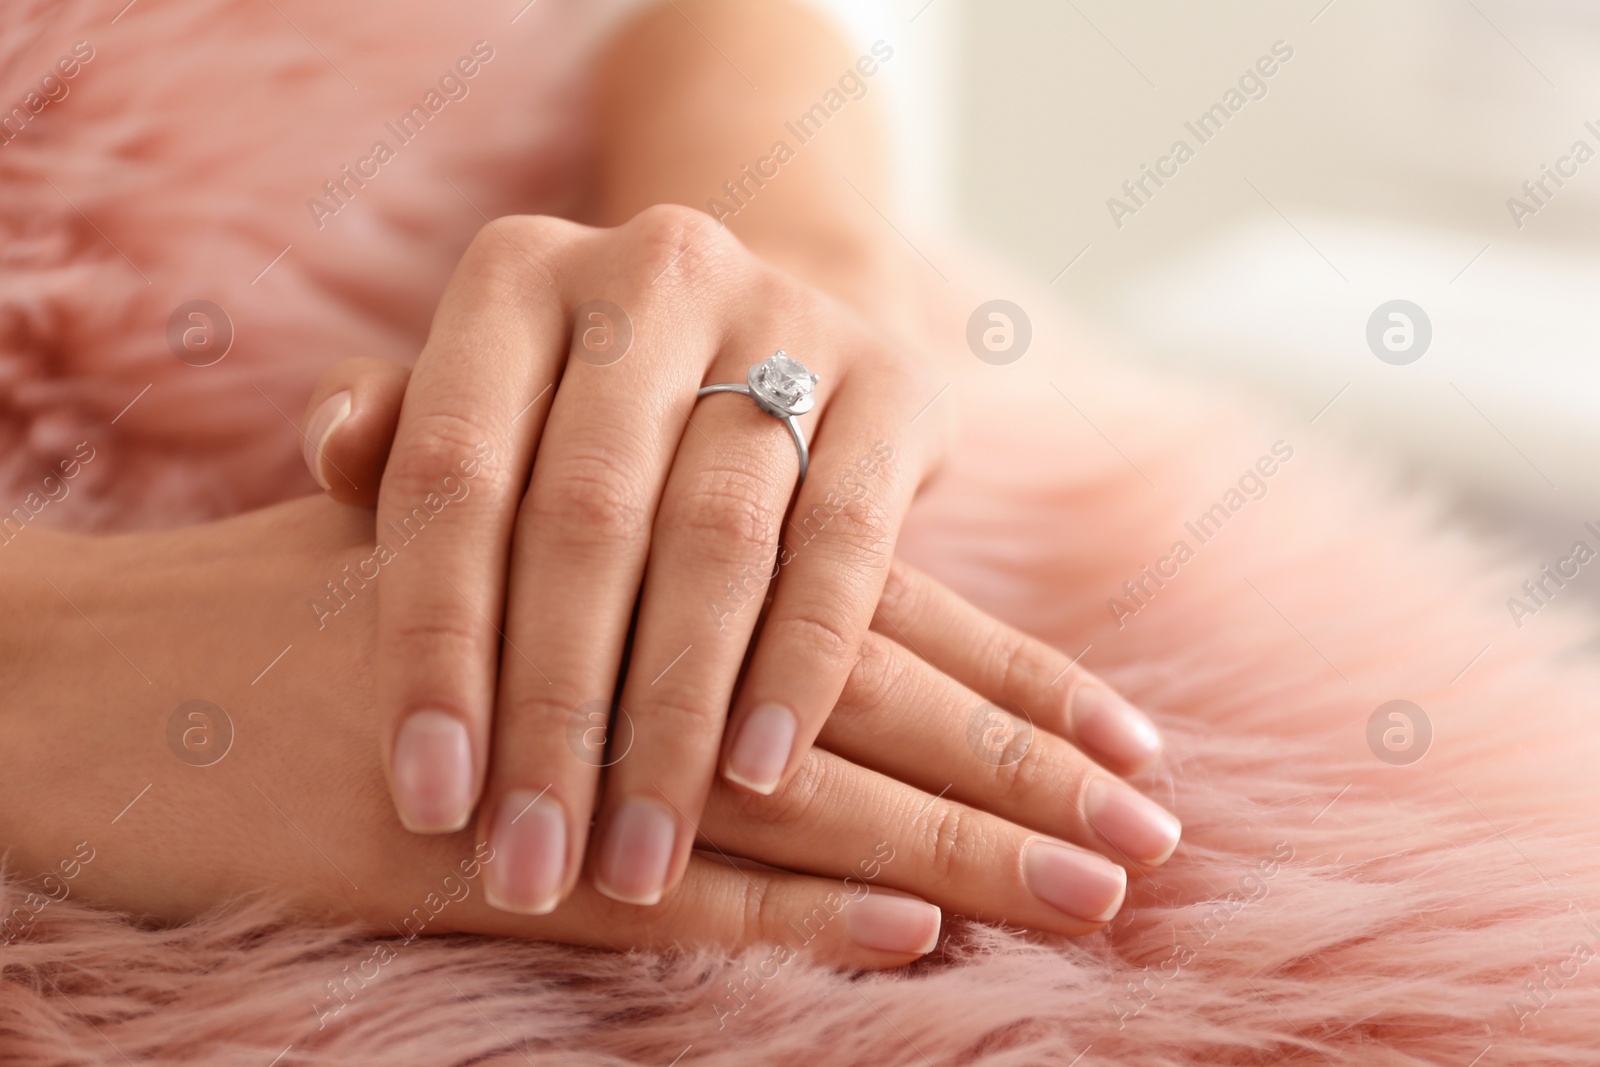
column 712, row 554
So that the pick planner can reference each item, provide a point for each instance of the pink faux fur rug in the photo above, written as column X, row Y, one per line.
column 1326, row 906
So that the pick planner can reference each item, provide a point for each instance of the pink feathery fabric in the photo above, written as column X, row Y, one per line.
column 1327, row 905
column 181, row 163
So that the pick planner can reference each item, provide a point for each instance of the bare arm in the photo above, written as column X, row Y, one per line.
column 677, row 122
column 276, row 790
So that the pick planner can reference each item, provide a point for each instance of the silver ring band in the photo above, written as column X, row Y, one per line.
column 783, row 388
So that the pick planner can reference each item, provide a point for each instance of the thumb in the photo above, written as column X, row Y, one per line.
column 350, row 424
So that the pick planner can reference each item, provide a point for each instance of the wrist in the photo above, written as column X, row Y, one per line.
column 43, row 646
column 32, row 631
column 850, row 267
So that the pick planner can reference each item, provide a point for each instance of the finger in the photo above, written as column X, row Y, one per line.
column 836, row 819
column 1019, row 672
column 949, row 740
column 578, row 560
column 837, row 546
column 711, row 555
column 821, row 920
column 350, row 424
column 460, row 461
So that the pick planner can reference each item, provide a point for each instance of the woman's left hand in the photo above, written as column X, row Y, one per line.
column 553, row 468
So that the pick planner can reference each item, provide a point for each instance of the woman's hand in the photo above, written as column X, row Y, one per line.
column 640, row 496
column 276, row 790
column 585, row 348
column 1004, row 666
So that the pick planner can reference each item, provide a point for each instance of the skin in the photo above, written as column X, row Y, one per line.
column 109, row 635
column 612, row 490
column 1001, row 667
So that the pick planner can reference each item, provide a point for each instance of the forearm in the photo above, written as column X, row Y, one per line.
column 56, row 793
column 679, row 123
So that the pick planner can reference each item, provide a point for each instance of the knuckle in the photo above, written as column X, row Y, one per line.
column 892, row 369
column 759, row 910
column 819, row 635
column 534, row 712
column 509, row 255
column 449, row 635
column 793, row 804
column 1032, row 774
column 895, row 370
column 950, row 844
column 901, row 591
column 1021, row 664
column 860, row 533
column 878, row 677
column 670, row 240
column 587, row 499
column 727, row 512
column 772, row 287
column 694, row 725
column 436, row 446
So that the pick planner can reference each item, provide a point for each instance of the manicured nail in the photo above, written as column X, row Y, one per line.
column 883, row 922
column 432, row 769
column 1082, row 884
column 1111, row 727
column 761, row 751
column 328, row 417
column 529, row 839
column 1142, row 830
column 632, row 866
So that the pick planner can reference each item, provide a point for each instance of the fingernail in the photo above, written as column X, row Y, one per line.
column 633, row 864
column 529, row 839
column 1135, row 825
column 1082, row 884
column 1110, row 726
column 328, row 417
column 432, row 769
column 761, row 751
column 883, row 922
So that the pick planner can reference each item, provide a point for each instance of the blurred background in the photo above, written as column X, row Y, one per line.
column 1376, row 165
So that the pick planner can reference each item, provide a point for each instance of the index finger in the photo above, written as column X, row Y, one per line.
column 461, row 457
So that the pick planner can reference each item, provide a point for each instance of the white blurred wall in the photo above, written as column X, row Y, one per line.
column 1376, row 166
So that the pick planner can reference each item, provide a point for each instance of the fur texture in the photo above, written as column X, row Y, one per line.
column 180, row 165
column 1325, row 907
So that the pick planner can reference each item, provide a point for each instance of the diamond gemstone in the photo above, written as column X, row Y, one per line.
column 783, row 381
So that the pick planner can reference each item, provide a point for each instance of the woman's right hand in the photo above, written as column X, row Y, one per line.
column 277, row 789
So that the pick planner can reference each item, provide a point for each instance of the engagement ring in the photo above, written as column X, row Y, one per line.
column 783, row 388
